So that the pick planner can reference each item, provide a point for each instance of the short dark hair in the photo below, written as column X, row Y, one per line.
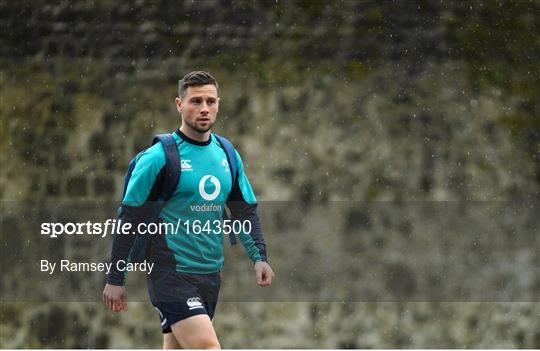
column 195, row 78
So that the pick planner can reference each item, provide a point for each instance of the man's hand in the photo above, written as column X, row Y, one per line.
column 115, row 297
column 264, row 273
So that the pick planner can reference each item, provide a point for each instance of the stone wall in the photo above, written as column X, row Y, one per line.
column 359, row 105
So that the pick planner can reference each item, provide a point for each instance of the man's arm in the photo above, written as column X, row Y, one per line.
column 243, row 206
column 123, row 243
column 137, row 207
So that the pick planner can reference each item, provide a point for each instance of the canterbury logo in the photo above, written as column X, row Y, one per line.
column 202, row 190
column 194, row 302
column 185, row 165
column 225, row 165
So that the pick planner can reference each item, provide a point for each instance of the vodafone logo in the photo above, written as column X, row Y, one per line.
column 202, row 190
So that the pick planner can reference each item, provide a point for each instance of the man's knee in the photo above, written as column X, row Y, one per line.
column 207, row 343
column 196, row 332
column 170, row 342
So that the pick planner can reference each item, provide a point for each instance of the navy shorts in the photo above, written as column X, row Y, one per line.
column 178, row 296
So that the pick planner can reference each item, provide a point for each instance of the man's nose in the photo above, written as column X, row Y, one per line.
column 204, row 108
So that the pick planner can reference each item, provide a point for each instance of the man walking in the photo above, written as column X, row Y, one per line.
column 185, row 281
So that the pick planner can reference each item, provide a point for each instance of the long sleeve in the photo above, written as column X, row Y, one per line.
column 137, row 205
column 243, row 206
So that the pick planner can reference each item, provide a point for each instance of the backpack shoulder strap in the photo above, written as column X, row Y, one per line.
column 172, row 165
column 233, row 165
column 231, row 156
column 127, row 177
column 167, row 183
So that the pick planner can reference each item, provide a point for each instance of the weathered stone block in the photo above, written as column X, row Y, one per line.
column 103, row 186
column 76, row 186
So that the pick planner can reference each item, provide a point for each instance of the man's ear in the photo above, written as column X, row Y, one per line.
column 178, row 104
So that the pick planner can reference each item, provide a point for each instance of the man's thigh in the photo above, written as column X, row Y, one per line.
column 196, row 332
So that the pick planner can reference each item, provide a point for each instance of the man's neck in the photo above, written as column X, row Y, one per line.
column 190, row 133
